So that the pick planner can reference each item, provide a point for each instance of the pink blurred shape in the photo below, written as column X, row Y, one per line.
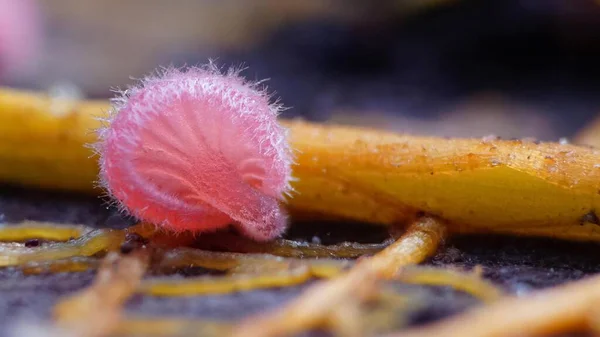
column 20, row 35
column 197, row 150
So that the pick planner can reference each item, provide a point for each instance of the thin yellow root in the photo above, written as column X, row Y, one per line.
column 385, row 316
column 100, row 240
column 242, row 282
column 28, row 230
column 558, row 310
column 226, row 284
column 69, row 265
column 238, row 263
column 186, row 257
column 470, row 283
column 96, row 311
column 245, row 272
column 315, row 306
column 289, row 248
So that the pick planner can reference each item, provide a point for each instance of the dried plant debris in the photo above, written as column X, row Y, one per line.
column 36, row 287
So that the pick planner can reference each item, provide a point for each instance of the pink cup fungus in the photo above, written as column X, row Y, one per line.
column 197, row 150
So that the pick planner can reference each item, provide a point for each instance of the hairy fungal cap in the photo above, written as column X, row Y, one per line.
column 197, row 150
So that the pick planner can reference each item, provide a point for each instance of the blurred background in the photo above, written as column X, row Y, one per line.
column 451, row 68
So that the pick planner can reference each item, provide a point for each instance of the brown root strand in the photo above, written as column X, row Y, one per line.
column 345, row 320
column 245, row 272
column 469, row 283
column 160, row 327
column 96, row 310
column 68, row 265
column 314, row 307
column 238, row 263
column 286, row 274
column 223, row 261
column 387, row 311
column 225, row 284
column 289, row 248
column 558, row 310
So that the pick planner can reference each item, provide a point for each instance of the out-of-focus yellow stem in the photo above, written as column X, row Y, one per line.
column 96, row 310
column 42, row 140
column 589, row 135
column 513, row 187
column 158, row 326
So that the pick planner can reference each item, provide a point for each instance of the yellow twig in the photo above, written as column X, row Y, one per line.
column 513, row 187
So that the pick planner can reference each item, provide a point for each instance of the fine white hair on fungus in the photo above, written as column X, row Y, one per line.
column 196, row 149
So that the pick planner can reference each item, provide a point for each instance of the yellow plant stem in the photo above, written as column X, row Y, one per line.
column 476, row 185
column 42, row 140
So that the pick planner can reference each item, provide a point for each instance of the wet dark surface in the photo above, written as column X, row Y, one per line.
column 519, row 265
column 31, row 298
column 522, row 264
